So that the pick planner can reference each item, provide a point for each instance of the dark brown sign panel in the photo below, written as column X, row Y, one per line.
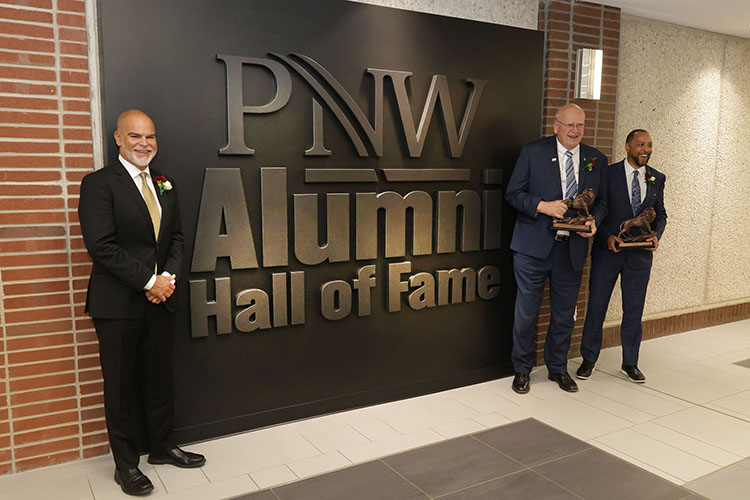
column 341, row 171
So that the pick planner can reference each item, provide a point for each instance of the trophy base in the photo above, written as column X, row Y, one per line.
column 636, row 244
column 567, row 226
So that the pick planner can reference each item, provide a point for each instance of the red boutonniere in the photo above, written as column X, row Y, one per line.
column 589, row 163
column 162, row 183
column 650, row 179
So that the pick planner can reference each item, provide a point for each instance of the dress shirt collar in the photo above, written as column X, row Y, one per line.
column 134, row 171
column 631, row 168
column 561, row 150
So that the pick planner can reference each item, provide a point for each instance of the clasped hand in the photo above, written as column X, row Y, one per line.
column 162, row 289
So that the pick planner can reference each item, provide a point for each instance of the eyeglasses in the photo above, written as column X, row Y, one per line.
column 570, row 125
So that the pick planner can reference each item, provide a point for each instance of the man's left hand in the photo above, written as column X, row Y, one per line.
column 152, row 298
column 656, row 243
column 592, row 224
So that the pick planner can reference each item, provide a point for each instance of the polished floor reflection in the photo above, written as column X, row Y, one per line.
column 686, row 430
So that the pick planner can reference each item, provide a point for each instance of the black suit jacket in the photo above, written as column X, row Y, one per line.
column 119, row 237
column 619, row 210
column 535, row 178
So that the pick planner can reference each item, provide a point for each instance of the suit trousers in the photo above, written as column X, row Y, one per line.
column 136, row 360
column 633, row 283
column 531, row 275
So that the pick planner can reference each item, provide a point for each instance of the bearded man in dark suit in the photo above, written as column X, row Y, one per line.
column 547, row 172
column 130, row 220
column 633, row 186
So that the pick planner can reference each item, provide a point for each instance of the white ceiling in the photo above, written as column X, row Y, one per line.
column 730, row 17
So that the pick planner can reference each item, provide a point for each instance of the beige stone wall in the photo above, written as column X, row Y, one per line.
column 691, row 90
column 729, row 253
column 518, row 13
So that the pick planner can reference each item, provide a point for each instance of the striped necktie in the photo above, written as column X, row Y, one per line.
column 635, row 198
column 571, row 186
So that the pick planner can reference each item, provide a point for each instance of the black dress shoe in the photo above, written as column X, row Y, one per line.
column 564, row 381
column 633, row 374
column 178, row 458
column 133, row 481
column 521, row 383
column 585, row 370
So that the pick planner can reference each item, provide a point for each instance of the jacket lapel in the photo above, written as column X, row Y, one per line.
column 622, row 182
column 583, row 174
column 129, row 186
column 650, row 198
column 165, row 206
column 554, row 162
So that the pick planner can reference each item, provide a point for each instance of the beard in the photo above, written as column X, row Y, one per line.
column 636, row 160
column 138, row 160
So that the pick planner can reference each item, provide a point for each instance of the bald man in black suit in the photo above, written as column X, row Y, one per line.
column 130, row 220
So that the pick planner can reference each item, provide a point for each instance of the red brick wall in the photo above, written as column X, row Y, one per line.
column 569, row 26
column 50, row 383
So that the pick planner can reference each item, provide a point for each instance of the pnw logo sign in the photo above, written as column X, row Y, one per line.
column 440, row 223
column 369, row 140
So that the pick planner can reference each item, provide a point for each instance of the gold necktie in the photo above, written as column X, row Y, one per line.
column 153, row 208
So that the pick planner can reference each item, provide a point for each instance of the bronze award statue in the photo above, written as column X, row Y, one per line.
column 641, row 222
column 577, row 222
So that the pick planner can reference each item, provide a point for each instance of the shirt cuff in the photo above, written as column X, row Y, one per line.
column 150, row 282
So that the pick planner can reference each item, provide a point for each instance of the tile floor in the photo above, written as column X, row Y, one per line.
column 520, row 460
column 688, row 425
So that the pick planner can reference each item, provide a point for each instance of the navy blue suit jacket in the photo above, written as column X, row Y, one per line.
column 536, row 177
column 619, row 210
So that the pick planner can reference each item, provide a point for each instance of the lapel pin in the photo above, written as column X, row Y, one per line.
column 554, row 159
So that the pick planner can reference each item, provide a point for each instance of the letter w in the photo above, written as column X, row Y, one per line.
column 438, row 90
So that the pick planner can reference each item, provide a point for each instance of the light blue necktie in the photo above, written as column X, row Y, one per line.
column 571, row 186
column 635, row 198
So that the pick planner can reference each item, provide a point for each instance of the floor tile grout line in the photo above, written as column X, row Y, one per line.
column 481, row 413
column 91, row 487
column 685, row 451
column 614, row 456
column 373, row 415
column 556, row 484
column 642, row 461
column 713, row 383
column 404, row 478
column 657, row 394
column 473, row 436
column 320, row 452
column 734, row 464
column 273, row 492
column 692, row 403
